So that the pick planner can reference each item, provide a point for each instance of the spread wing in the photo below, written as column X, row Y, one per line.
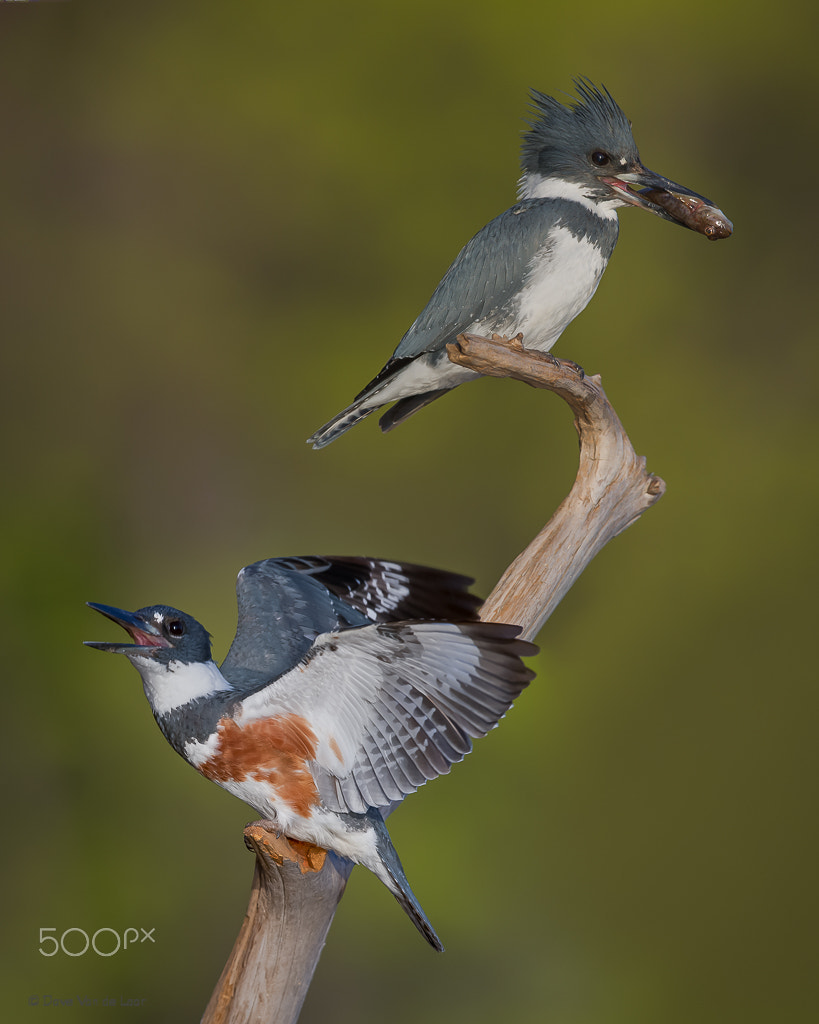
column 285, row 603
column 391, row 706
column 390, row 591
column 483, row 280
column 281, row 612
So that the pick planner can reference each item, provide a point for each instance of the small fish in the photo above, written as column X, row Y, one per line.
column 695, row 213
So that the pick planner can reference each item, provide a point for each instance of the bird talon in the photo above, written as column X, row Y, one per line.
column 516, row 342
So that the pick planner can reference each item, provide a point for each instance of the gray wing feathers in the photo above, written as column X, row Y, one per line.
column 285, row 603
column 280, row 613
column 488, row 270
column 423, row 692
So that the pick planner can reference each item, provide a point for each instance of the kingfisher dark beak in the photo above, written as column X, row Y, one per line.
column 671, row 201
column 145, row 634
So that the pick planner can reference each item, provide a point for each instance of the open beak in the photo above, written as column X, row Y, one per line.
column 144, row 633
column 671, row 201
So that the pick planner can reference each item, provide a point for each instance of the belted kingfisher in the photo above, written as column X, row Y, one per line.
column 331, row 706
column 536, row 266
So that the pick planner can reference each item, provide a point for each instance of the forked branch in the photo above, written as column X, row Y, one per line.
column 296, row 887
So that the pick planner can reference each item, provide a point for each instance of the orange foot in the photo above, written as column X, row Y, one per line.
column 264, row 837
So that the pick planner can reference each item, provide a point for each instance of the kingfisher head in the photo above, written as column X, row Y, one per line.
column 170, row 650
column 159, row 633
column 586, row 151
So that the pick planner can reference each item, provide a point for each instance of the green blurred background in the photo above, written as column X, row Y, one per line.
column 217, row 221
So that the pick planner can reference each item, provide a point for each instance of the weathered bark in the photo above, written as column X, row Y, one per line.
column 296, row 887
column 611, row 490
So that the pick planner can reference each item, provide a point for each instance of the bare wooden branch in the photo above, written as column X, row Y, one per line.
column 611, row 490
column 296, row 887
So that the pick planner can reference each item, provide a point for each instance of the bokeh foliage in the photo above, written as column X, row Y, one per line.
column 217, row 221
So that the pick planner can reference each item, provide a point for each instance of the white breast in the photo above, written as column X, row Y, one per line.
column 559, row 285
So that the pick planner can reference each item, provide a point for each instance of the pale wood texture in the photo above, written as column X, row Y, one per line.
column 295, row 887
column 611, row 490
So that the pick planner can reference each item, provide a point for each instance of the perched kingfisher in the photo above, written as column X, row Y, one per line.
column 347, row 686
column 536, row 266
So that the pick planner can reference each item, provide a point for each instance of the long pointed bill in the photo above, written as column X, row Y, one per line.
column 671, row 201
column 144, row 633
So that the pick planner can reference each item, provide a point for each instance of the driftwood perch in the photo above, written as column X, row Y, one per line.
column 297, row 887
column 611, row 490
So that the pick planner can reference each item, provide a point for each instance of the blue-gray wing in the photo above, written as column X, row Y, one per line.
column 285, row 603
column 281, row 611
column 387, row 707
column 484, row 278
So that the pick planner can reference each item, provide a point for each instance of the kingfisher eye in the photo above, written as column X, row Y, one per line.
column 600, row 158
column 175, row 627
